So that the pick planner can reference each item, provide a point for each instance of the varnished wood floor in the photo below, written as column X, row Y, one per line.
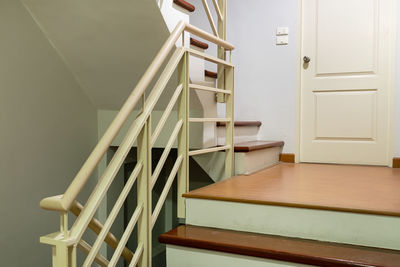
column 362, row 189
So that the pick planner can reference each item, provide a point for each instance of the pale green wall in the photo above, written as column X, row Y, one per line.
column 47, row 128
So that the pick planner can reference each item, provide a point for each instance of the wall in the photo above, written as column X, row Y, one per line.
column 265, row 73
column 265, row 76
column 48, row 127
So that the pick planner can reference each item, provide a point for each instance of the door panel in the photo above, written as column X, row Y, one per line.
column 338, row 33
column 350, row 121
column 345, row 86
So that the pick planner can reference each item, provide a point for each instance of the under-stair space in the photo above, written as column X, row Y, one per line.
column 314, row 214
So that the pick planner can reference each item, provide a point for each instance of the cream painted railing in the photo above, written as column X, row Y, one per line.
column 65, row 242
column 219, row 31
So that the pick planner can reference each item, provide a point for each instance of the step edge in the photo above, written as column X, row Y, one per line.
column 211, row 74
column 281, row 255
column 198, row 43
column 182, row 3
column 240, row 147
column 242, row 124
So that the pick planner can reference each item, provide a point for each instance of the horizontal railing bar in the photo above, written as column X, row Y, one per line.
column 166, row 114
column 209, row 58
column 99, row 259
column 126, row 235
column 136, row 257
column 210, row 18
column 96, row 227
column 165, row 191
column 208, row 150
column 207, row 88
column 218, row 10
column 95, row 157
column 209, row 37
column 209, row 119
column 106, row 179
column 64, row 203
column 165, row 153
column 113, row 214
column 99, row 192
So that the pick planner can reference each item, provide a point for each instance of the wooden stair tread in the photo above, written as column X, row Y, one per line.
column 241, row 123
column 198, row 43
column 182, row 3
column 211, row 74
column 280, row 248
column 344, row 188
column 257, row 145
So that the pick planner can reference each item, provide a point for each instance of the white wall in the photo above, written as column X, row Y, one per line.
column 48, row 127
column 265, row 73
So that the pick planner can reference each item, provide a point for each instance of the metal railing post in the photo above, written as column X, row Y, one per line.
column 230, row 153
column 221, row 98
column 183, row 137
column 144, row 193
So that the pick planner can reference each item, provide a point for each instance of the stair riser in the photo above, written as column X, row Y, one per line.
column 183, row 257
column 323, row 225
column 253, row 161
column 242, row 134
column 245, row 163
column 196, row 68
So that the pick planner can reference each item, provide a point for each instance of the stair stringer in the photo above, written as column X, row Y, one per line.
column 172, row 15
column 203, row 135
column 107, row 45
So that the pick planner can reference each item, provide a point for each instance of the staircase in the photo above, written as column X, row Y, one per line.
column 292, row 215
column 67, row 240
column 261, row 217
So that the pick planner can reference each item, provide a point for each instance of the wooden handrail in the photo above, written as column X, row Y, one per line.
column 85, row 247
column 64, row 202
column 96, row 227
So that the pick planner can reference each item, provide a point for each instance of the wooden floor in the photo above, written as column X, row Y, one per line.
column 362, row 189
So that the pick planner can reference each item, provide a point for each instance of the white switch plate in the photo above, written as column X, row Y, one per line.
column 282, row 31
column 282, row 40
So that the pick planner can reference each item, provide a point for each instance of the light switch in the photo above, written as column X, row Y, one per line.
column 282, row 31
column 282, row 40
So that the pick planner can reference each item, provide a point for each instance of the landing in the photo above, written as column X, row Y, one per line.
column 362, row 189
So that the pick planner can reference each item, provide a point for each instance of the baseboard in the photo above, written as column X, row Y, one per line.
column 287, row 157
column 396, row 162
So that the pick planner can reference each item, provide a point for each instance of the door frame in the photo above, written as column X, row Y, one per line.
column 391, row 86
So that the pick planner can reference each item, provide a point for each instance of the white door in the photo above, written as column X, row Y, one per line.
column 346, row 84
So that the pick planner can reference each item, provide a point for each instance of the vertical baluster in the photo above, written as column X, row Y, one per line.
column 144, row 192
column 221, row 98
column 229, row 155
column 183, row 137
column 64, row 223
